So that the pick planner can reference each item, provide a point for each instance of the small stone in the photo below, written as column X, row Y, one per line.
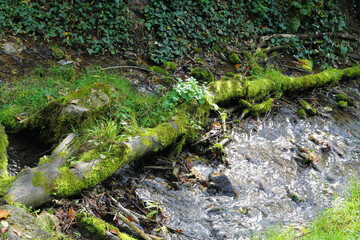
column 66, row 62
column 328, row 109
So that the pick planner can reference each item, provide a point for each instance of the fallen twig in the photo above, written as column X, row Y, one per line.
column 124, row 210
column 135, row 228
column 136, row 67
column 302, row 235
column 345, row 36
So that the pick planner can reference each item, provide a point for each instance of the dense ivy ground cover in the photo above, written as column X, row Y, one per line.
column 171, row 28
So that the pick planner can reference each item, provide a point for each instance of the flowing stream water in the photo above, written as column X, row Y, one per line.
column 267, row 182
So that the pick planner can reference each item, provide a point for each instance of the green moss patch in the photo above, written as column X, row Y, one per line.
column 59, row 117
column 203, row 75
column 172, row 66
column 3, row 159
column 230, row 74
column 57, row 53
column 234, row 58
column 96, row 228
column 343, row 105
column 301, row 113
column 160, row 70
column 106, row 163
column 342, row 97
column 262, row 108
column 307, row 107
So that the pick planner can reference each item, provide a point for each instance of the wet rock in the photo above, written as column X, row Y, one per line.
column 22, row 225
column 328, row 109
column 308, row 108
column 219, row 184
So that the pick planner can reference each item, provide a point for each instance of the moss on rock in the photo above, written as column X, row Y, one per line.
column 160, row 70
column 172, row 66
column 203, row 75
column 301, row 113
column 234, row 58
column 307, row 107
column 230, row 74
column 57, row 53
column 342, row 97
column 343, row 105
column 262, row 108
column 97, row 228
column 58, row 118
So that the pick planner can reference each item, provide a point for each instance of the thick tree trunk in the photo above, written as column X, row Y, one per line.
column 53, row 178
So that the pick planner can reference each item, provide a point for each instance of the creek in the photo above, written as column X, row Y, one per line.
column 266, row 182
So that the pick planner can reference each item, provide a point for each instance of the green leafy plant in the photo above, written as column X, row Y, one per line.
column 186, row 91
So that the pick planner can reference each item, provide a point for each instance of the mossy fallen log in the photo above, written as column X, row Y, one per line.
column 54, row 178
column 262, row 87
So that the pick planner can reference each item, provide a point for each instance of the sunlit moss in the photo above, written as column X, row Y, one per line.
column 97, row 227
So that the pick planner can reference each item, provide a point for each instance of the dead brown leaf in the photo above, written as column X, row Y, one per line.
column 113, row 231
column 4, row 213
column 71, row 214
